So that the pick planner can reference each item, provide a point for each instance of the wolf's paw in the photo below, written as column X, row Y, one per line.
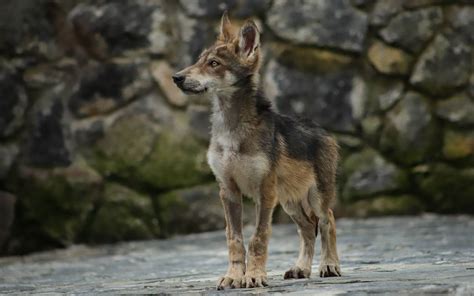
column 230, row 282
column 297, row 273
column 254, row 280
column 329, row 269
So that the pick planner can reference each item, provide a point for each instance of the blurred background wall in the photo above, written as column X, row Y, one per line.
column 97, row 145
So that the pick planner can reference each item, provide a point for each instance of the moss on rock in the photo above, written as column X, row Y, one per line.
column 410, row 133
column 147, row 155
column 458, row 145
column 175, row 161
column 124, row 146
column 387, row 205
column 367, row 173
column 448, row 189
column 56, row 202
column 123, row 215
column 194, row 209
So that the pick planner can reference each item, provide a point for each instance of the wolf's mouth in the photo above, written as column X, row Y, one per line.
column 194, row 91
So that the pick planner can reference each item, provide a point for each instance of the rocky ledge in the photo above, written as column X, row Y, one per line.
column 416, row 255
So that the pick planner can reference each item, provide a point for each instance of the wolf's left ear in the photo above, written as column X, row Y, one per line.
column 226, row 28
column 249, row 40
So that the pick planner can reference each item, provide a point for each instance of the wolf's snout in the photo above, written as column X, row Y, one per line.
column 178, row 78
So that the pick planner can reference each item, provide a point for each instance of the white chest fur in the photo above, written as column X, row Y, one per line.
column 228, row 164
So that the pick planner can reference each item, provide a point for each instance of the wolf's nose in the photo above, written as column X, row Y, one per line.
column 178, row 78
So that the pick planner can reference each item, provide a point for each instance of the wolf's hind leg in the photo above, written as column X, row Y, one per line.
column 329, row 265
column 320, row 199
column 307, row 224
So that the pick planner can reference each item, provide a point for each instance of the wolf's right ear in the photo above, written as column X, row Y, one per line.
column 226, row 28
column 249, row 40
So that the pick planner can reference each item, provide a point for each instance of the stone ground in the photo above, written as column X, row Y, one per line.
column 415, row 255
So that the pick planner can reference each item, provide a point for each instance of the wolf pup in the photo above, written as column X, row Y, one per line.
column 257, row 152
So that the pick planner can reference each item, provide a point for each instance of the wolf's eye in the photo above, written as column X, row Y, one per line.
column 214, row 63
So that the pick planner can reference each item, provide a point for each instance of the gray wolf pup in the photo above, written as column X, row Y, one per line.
column 270, row 157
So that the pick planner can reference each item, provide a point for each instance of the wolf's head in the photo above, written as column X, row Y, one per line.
column 233, row 61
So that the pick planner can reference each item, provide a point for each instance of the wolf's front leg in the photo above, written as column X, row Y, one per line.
column 232, row 203
column 256, row 275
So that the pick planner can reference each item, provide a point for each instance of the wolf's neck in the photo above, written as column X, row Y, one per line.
column 235, row 111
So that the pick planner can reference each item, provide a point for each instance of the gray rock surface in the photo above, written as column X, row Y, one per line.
column 410, row 133
column 8, row 154
column 461, row 20
column 408, row 256
column 47, row 142
column 446, row 51
column 324, row 23
column 384, row 10
column 369, row 174
column 125, row 82
column 12, row 104
column 457, row 109
column 412, row 29
column 296, row 93
column 207, row 8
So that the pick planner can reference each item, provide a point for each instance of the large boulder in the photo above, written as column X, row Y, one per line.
column 194, row 209
column 93, row 96
column 121, row 26
column 176, row 161
column 448, row 189
column 125, row 145
column 445, row 52
column 457, row 109
column 410, row 133
column 53, row 205
column 136, row 148
column 412, row 29
column 327, row 97
column 335, row 24
column 367, row 173
column 123, row 214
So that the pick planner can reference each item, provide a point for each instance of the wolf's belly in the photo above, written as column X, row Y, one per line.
column 247, row 171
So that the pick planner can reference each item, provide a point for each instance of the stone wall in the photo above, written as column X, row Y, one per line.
column 97, row 145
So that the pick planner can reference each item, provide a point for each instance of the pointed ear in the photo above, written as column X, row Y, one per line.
column 226, row 28
column 249, row 39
